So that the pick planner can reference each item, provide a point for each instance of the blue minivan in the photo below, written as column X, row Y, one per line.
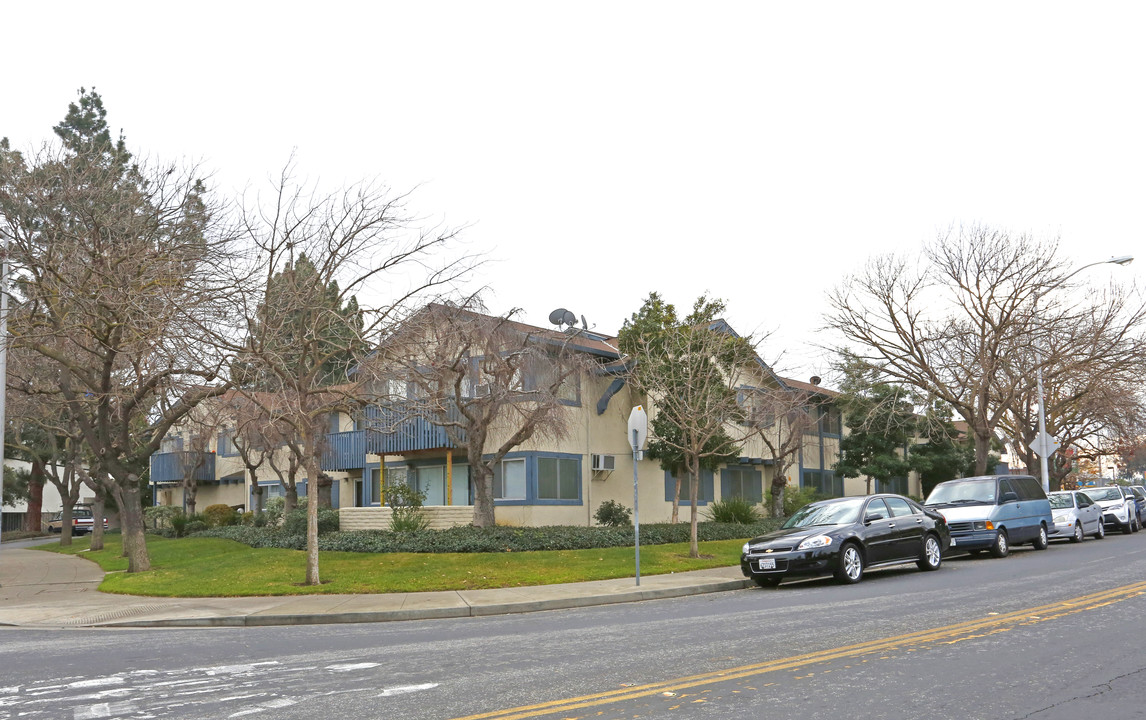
column 994, row 512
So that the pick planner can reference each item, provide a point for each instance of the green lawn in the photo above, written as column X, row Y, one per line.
column 211, row 567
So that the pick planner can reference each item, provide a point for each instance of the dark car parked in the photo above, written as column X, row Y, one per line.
column 844, row 537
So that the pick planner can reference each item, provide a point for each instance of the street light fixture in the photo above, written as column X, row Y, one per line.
column 1044, row 444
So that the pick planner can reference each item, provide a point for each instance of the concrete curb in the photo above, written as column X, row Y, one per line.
column 634, row 595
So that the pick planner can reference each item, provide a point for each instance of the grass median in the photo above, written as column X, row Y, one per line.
column 212, row 567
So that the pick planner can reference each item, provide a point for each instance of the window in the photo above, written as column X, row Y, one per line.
column 824, row 482
column 171, row 444
column 509, row 480
column 899, row 507
column 878, row 508
column 226, row 444
column 744, row 483
column 558, row 479
column 704, row 492
column 894, row 485
column 757, row 407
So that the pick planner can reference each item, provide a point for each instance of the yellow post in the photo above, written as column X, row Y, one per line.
column 449, row 477
column 381, row 480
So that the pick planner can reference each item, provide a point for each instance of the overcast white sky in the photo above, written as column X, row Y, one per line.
column 601, row 150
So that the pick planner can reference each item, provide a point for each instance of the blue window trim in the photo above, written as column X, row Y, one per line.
column 704, row 494
column 226, row 438
column 531, row 497
column 726, row 481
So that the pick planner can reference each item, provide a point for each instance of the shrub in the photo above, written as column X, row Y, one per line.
column 405, row 504
column 734, row 510
column 160, row 516
column 273, row 511
column 196, row 525
column 260, row 519
column 613, row 514
column 179, row 523
column 220, row 515
column 295, row 522
column 469, row 539
column 247, row 518
column 796, row 498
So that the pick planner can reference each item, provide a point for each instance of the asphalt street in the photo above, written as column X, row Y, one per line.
column 1054, row 634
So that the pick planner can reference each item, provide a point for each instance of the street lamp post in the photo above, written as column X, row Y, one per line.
column 1044, row 444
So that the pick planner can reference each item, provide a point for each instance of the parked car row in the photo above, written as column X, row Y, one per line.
column 846, row 536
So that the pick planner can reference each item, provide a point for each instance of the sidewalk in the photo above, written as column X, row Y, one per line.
column 50, row 590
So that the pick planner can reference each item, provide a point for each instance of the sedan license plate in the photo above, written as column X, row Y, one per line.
column 768, row 564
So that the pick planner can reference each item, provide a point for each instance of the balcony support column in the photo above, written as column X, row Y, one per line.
column 449, row 477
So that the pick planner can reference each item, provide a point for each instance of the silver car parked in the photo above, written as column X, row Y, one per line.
column 1076, row 515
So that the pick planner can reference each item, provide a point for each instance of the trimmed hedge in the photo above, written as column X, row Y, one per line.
column 498, row 539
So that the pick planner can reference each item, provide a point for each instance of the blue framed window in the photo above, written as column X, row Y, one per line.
column 824, row 482
column 532, row 478
column 225, row 446
column 704, row 494
column 742, row 482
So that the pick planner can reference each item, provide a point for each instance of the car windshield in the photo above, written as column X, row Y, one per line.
column 963, row 492
column 1059, row 501
column 1106, row 493
column 840, row 512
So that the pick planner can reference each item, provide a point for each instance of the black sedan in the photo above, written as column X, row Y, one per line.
column 844, row 536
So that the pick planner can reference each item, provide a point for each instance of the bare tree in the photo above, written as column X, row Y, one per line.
column 116, row 276
column 315, row 253
column 782, row 414
column 489, row 382
column 949, row 325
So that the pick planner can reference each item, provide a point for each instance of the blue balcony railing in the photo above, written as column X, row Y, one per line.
column 400, row 430
column 345, row 451
column 173, row 466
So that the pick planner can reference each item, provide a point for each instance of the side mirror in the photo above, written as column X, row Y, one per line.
column 1008, row 497
column 871, row 517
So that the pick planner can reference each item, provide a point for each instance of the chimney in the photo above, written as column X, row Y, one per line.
column 815, row 379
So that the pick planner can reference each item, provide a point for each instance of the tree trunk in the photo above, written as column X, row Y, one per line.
column 325, row 483
column 131, row 524
column 676, row 498
column 190, row 491
column 256, row 493
column 290, row 499
column 779, row 482
column 97, row 521
column 982, row 451
column 483, row 493
column 36, row 498
column 66, row 522
column 312, row 504
column 694, row 496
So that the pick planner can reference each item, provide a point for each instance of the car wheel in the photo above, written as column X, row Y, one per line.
column 1127, row 527
column 931, row 557
column 1101, row 530
column 1000, row 548
column 1041, row 542
column 1134, row 525
column 766, row 581
column 1077, row 537
column 851, row 564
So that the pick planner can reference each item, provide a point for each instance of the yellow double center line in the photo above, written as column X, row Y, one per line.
column 950, row 633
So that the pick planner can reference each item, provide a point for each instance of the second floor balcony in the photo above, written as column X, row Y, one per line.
column 396, row 431
column 175, row 467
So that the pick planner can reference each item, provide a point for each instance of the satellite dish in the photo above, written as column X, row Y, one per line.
column 584, row 323
column 557, row 316
column 569, row 319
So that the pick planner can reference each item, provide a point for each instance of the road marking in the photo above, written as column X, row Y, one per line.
column 990, row 624
column 352, row 666
column 406, row 689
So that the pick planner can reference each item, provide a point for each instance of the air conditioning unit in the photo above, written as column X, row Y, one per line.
column 604, row 462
